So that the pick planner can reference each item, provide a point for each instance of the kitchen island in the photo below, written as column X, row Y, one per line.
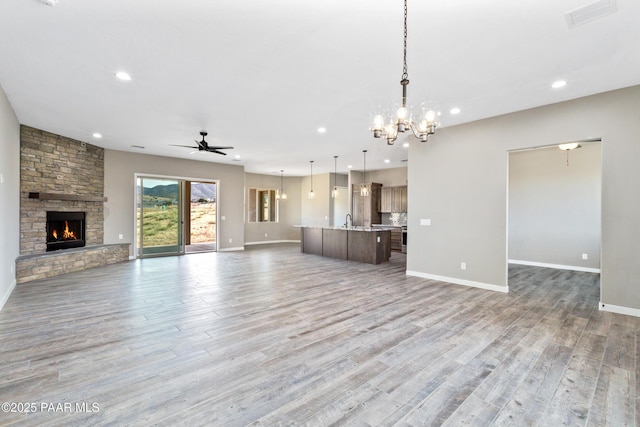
column 370, row 245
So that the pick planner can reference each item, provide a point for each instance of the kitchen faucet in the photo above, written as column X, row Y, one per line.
column 346, row 220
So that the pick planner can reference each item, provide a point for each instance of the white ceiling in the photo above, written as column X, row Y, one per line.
column 262, row 76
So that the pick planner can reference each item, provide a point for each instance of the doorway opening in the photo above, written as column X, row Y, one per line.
column 554, row 207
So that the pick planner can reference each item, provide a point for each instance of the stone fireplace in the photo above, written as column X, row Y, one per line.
column 61, row 207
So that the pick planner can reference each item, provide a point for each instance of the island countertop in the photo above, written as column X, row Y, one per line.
column 362, row 244
column 352, row 228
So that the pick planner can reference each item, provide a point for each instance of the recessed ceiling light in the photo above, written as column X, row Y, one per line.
column 387, row 160
column 405, row 145
column 50, row 2
column 123, row 76
column 350, row 166
column 237, row 156
column 558, row 84
column 97, row 135
column 321, row 130
column 455, row 110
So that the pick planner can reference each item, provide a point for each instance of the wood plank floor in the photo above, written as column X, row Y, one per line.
column 270, row 336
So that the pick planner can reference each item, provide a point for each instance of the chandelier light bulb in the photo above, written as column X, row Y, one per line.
column 378, row 122
column 430, row 116
column 402, row 113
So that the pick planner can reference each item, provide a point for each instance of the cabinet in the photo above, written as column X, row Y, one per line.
column 366, row 209
column 393, row 199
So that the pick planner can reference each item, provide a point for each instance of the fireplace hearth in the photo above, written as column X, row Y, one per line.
column 65, row 230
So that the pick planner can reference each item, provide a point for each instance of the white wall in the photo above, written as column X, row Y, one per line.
column 9, row 196
column 554, row 208
column 459, row 181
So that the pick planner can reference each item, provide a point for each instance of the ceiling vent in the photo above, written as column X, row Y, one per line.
column 50, row 2
column 590, row 12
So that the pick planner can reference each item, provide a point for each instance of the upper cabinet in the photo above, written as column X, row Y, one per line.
column 393, row 199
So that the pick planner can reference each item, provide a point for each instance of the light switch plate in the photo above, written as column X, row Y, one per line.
column 425, row 221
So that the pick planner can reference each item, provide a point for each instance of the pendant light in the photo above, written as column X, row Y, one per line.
column 422, row 126
column 312, row 195
column 334, row 192
column 364, row 188
column 280, row 194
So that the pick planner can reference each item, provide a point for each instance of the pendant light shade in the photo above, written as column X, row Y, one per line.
column 364, row 188
column 334, row 192
column 311, row 195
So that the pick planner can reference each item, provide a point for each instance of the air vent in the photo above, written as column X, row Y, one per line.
column 590, row 12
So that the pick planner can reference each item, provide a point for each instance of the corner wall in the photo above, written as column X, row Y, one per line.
column 9, row 196
column 459, row 181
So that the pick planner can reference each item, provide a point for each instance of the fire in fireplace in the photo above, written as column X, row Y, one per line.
column 65, row 230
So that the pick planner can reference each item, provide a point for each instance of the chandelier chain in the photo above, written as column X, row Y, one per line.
column 405, row 71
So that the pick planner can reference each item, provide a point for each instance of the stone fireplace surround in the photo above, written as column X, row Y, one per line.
column 61, row 174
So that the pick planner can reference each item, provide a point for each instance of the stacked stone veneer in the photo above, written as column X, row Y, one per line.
column 52, row 163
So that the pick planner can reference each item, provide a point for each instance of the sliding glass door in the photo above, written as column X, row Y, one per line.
column 159, row 215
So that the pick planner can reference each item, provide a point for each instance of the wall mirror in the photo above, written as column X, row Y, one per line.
column 262, row 205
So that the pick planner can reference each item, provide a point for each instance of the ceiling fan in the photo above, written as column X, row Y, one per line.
column 204, row 146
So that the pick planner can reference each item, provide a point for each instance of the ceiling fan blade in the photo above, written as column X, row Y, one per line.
column 217, row 152
column 217, row 147
column 185, row 146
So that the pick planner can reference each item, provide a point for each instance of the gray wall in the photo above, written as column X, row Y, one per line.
column 119, row 183
column 459, row 181
column 254, row 232
column 554, row 208
column 318, row 211
column 9, row 196
column 393, row 177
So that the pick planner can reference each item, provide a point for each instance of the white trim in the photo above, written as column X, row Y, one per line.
column 556, row 266
column 619, row 309
column 238, row 248
column 457, row 281
column 266, row 242
column 6, row 296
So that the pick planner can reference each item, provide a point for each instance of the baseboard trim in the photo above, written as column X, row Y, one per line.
column 267, row 242
column 556, row 266
column 238, row 248
column 6, row 296
column 456, row 281
column 619, row 309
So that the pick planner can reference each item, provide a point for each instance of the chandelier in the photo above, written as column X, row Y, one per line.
column 422, row 126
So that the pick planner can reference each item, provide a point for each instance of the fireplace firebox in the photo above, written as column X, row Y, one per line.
column 65, row 230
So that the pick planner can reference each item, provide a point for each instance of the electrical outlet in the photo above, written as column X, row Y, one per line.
column 120, row 236
column 230, row 240
column 223, row 217
column 425, row 222
column 378, row 239
column 1, row 178
column 463, row 266
column 585, row 256
column 266, row 235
